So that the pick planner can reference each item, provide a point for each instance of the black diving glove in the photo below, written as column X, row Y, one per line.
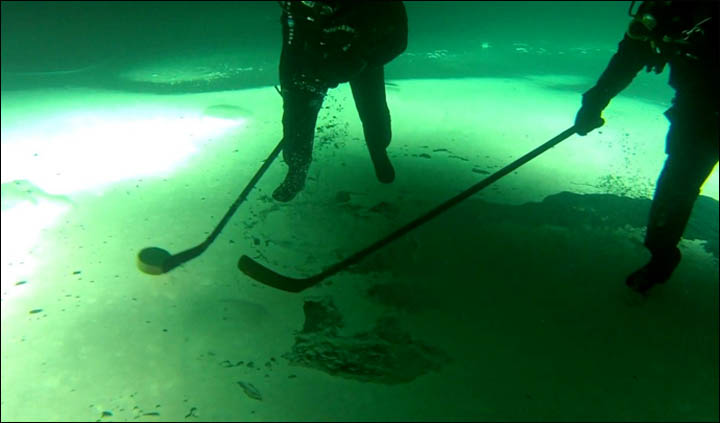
column 587, row 119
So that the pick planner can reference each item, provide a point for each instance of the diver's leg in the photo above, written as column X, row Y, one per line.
column 301, row 104
column 300, row 112
column 686, row 168
column 368, row 90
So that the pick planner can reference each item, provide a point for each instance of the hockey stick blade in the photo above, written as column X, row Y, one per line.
column 270, row 278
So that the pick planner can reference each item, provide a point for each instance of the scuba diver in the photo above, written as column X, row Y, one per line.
column 326, row 43
column 683, row 35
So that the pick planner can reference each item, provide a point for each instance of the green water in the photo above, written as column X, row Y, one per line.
column 127, row 125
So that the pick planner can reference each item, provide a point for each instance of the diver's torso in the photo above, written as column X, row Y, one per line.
column 333, row 41
column 319, row 30
column 686, row 36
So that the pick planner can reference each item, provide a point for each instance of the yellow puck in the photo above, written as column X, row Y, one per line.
column 152, row 260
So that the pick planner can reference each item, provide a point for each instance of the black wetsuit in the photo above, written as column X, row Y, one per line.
column 327, row 43
column 692, row 140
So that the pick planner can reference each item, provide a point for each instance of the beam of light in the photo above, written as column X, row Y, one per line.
column 21, row 227
column 710, row 186
column 47, row 158
column 86, row 150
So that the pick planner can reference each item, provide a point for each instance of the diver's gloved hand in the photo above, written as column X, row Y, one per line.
column 587, row 119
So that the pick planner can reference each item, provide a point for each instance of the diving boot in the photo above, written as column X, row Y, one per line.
column 383, row 168
column 294, row 183
column 658, row 270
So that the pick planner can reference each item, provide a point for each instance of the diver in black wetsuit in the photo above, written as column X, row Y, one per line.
column 326, row 43
column 683, row 34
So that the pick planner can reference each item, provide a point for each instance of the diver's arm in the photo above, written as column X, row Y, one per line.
column 632, row 55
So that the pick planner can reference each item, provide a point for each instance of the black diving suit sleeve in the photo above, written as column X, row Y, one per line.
column 631, row 56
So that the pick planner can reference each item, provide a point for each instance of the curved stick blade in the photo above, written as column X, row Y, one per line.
column 270, row 278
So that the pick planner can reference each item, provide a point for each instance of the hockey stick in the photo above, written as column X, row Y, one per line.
column 156, row 261
column 268, row 277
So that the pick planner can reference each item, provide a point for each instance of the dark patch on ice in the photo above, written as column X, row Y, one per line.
column 250, row 390
column 604, row 211
column 386, row 354
column 597, row 212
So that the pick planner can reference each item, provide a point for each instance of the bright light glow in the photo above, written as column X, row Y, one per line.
column 85, row 150
column 21, row 227
column 48, row 156
column 710, row 187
